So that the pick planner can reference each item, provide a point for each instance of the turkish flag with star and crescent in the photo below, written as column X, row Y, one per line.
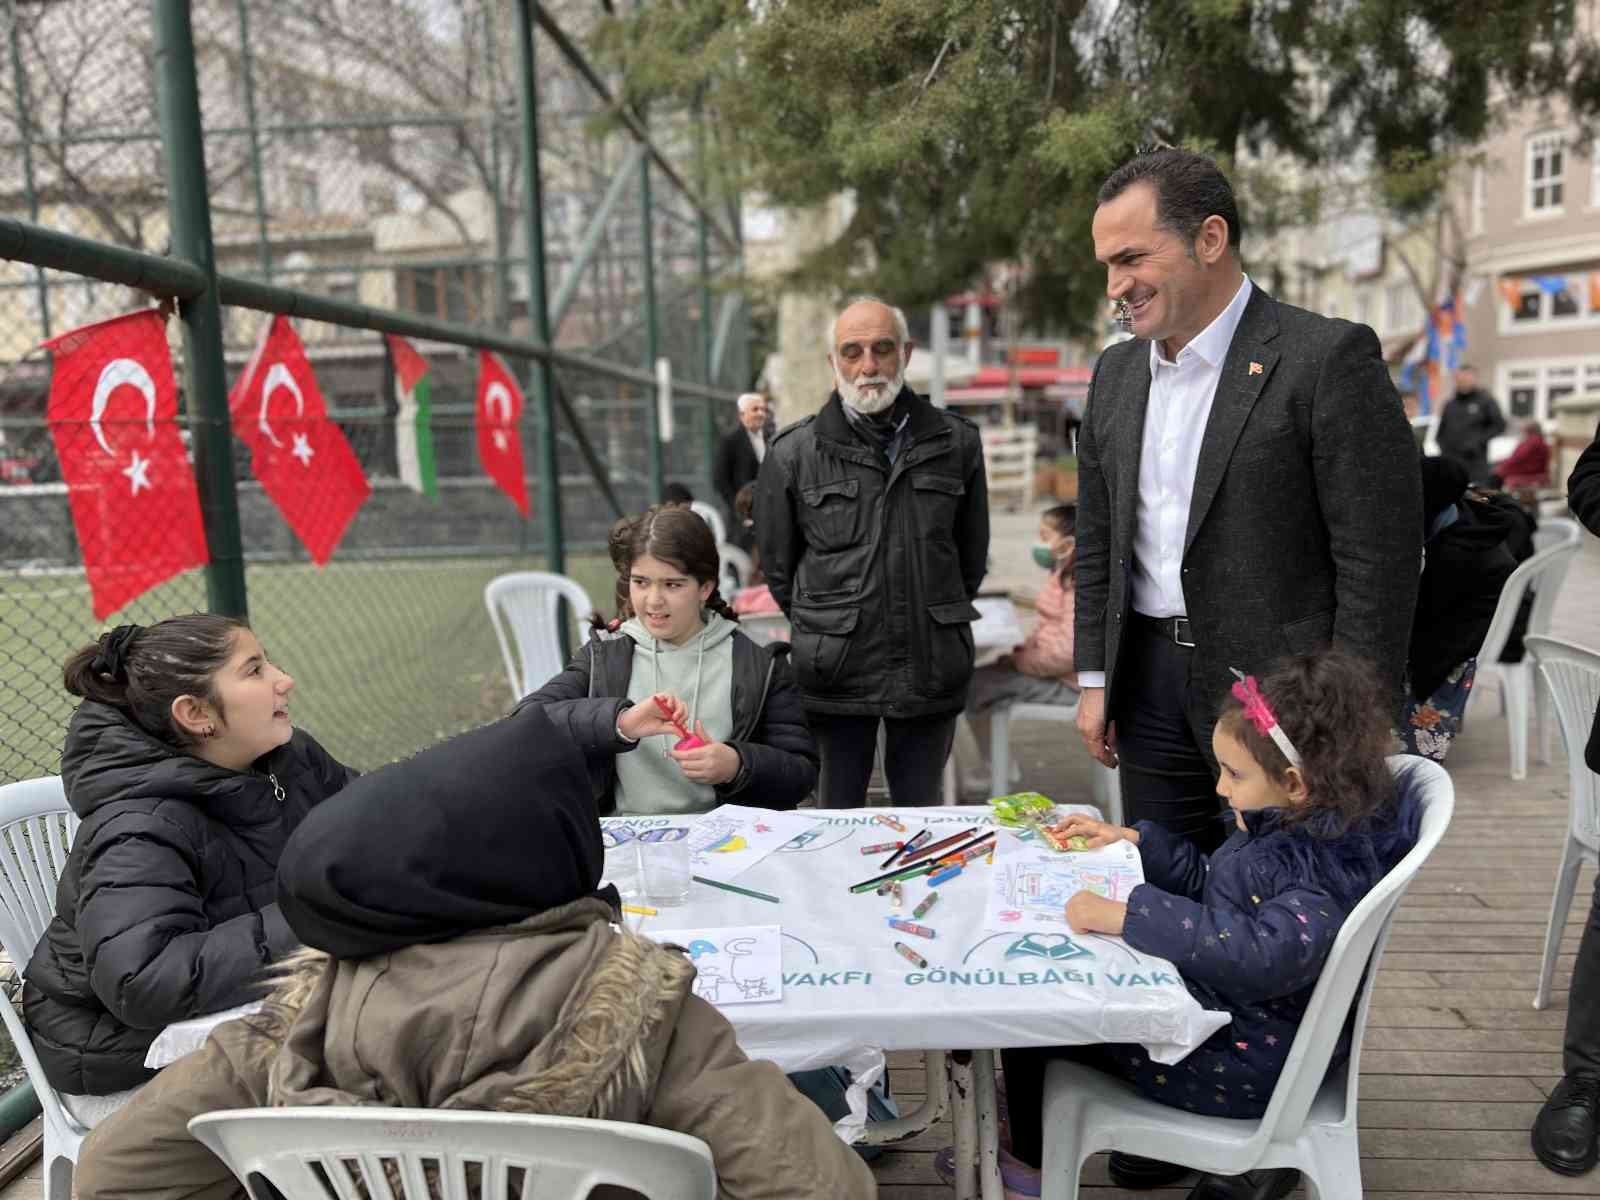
column 499, row 422
column 299, row 455
column 113, row 416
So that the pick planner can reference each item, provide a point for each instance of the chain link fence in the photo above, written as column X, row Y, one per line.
column 368, row 153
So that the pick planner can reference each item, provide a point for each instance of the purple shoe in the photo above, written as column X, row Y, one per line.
column 1020, row 1180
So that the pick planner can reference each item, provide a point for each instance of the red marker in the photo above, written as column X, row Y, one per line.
column 911, row 956
column 686, row 740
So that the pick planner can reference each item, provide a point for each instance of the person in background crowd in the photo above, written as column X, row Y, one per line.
column 739, row 458
column 189, row 777
column 1565, row 1132
column 1039, row 671
column 1468, row 559
column 676, row 495
column 1248, row 487
column 873, row 520
column 676, row 638
column 1528, row 466
column 474, row 964
column 1469, row 421
column 1316, row 821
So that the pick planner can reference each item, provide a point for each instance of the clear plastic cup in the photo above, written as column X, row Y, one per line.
column 664, row 865
column 622, row 860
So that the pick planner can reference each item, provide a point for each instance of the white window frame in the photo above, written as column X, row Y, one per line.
column 1585, row 318
column 1543, row 143
column 1401, row 311
column 1480, row 197
column 1578, row 370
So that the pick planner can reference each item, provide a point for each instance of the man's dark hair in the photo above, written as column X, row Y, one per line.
column 676, row 493
column 1188, row 187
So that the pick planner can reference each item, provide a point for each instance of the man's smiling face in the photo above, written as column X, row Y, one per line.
column 1149, row 268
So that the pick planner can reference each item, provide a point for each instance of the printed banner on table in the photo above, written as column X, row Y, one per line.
column 738, row 965
column 113, row 416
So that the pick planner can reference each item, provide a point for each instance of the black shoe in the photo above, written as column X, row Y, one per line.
column 1136, row 1174
column 1564, row 1131
column 1252, row 1185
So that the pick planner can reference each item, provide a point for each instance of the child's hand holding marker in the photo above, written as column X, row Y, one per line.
column 662, row 714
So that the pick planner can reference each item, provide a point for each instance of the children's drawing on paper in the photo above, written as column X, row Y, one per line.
column 1030, row 885
column 735, row 965
column 731, row 839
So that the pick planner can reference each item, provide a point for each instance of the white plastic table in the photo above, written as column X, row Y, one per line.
column 846, row 989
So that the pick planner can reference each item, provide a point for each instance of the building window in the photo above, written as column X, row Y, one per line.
column 450, row 293
column 1480, row 197
column 377, row 199
column 1363, row 307
column 1547, row 173
column 1533, row 389
column 303, row 192
column 346, row 290
column 1402, row 312
column 1549, row 300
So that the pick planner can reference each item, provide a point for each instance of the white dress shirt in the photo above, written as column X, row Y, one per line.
column 1181, row 392
column 758, row 443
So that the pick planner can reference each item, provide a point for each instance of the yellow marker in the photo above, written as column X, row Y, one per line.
column 640, row 909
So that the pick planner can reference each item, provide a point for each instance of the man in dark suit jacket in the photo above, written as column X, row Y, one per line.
column 1248, row 488
column 739, row 461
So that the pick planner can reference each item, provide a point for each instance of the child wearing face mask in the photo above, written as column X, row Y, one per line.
column 1040, row 670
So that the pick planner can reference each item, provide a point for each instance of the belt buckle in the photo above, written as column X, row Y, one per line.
column 1180, row 628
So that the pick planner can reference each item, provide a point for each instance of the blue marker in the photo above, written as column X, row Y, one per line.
column 947, row 873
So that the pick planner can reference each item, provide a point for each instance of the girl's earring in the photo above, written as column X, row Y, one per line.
column 209, row 731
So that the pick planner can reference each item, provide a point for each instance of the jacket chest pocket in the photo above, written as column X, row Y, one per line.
column 830, row 513
column 938, row 497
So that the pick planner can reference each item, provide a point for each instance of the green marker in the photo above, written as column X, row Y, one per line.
column 921, row 910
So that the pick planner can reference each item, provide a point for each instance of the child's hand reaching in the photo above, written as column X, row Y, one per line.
column 1095, row 833
column 1089, row 913
column 661, row 714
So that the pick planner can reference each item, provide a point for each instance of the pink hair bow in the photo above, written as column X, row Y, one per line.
column 1259, row 713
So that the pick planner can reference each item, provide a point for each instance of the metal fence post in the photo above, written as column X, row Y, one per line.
column 25, row 135
column 247, row 72
column 189, row 216
column 543, row 375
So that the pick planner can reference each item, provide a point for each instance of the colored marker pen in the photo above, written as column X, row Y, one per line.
column 911, row 956
column 897, row 895
column 880, row 847
column 922, row 908
column 947, row 873
column 911, row 927
column 891, row 822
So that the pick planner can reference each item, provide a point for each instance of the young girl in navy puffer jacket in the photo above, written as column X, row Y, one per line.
column 1317, row 823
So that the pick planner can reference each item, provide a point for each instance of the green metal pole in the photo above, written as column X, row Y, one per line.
column 703, row 257
column 25, row 129
column 652, row 334
column 542, row 378
column 263, row 245
column 189, row 217
column 502, row 253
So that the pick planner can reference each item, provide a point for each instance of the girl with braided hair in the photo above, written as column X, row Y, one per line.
column 675, row 662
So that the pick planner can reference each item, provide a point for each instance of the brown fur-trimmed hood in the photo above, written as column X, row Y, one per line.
column 564, row 1014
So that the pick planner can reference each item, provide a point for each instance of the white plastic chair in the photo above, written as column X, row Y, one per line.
column 336, row 1153
column 708, row 513
column 1519, row 686
column 1573, row 676
column 734, row 568
column 1557, row 531
column 1105, row 789
column 1310, row 1122
column 529, row 603
column 36, row 831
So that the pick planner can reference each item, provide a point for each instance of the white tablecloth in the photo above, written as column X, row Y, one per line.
column 845, row 987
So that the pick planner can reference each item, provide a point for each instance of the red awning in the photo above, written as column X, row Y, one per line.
column 1031, row 377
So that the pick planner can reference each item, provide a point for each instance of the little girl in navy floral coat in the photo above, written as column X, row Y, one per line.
column 1317, row 824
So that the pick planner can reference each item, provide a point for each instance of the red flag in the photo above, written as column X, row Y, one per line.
column 500, row 429
column 300, row 456
column 113, row 416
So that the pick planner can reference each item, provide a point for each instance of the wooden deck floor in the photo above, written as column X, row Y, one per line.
column 1457, row 1062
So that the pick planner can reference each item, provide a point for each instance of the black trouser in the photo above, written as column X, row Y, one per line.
column 1164, row 737
column 915, row 750
column 1024, row 1079
column 1582, row 1044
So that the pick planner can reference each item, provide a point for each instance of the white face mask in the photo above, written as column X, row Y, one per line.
column 869, row 401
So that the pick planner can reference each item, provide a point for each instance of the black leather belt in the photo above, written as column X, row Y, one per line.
column 1174, row 629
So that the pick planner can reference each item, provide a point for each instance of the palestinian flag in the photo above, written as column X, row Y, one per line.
column 413, row 428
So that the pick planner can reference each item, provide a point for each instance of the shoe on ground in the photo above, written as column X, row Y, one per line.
column 1021, row 1181
column 1566, row 1128
column 1135, row 1174
column 1252, row 1185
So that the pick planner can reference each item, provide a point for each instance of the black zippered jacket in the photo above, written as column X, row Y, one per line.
column 167, row 906
column 876, row 565
column 777, row 756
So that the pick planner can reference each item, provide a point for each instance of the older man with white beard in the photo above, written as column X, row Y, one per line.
column 873, row 522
